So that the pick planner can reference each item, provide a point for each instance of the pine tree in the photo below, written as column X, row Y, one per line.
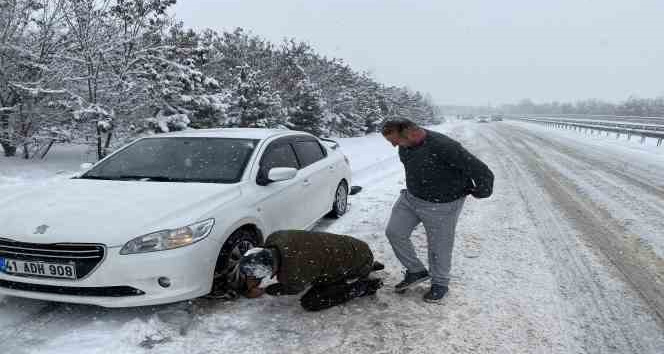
column 254, row 103
column 305, row 112
column 178, row 86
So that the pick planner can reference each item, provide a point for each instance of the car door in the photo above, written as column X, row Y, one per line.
column 279, row 204
column 317, row 174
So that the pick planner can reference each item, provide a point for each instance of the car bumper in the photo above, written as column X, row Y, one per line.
column 189, row 269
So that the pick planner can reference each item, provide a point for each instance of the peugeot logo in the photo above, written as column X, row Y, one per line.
column 41, row 229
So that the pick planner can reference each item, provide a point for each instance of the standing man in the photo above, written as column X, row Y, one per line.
column 439, row 175
column 336, row 267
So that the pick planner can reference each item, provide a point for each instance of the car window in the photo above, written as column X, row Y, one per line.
column 308, row 151
column 278, row 156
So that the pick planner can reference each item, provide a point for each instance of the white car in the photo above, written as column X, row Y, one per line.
column 160, row 219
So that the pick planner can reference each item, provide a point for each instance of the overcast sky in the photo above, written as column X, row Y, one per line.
column 472, row 51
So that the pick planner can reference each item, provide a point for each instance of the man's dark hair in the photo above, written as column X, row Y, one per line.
column 397, row 125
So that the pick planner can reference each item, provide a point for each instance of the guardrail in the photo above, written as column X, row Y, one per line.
column 644, row 130
column 630, row 119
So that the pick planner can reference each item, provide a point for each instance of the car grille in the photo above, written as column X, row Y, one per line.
column 85, row 256
column 108, row 291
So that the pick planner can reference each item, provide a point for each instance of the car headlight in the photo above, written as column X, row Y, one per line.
column 169, row 239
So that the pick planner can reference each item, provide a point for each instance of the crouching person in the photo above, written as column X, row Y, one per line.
column 336, row 267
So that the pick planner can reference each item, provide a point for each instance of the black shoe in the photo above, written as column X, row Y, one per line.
column 436, row 293
column 377, row 266
column 364, row 287
column 411, row 279
column 373, row 285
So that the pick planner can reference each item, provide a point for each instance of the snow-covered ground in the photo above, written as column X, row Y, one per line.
column 528, row 273
column 61, row 162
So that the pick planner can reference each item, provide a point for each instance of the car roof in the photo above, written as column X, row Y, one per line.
column 239, row 133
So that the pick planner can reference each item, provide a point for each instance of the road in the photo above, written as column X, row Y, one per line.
column 565, row 257
column 583, row 183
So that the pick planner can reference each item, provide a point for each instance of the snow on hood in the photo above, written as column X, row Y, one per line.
column 108, row 212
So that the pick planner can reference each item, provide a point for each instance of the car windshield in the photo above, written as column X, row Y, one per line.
column 171, row 159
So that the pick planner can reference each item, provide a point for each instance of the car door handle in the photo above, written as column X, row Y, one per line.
column 331, row 168
column 306, row 182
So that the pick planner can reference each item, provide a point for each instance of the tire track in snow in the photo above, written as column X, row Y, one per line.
column 579, row 281
column 618, row 199
column 607, row 162
column 633, row 263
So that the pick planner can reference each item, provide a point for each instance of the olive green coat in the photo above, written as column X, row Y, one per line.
column 310, row 257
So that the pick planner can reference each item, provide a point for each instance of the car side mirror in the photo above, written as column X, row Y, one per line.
column 277, row 174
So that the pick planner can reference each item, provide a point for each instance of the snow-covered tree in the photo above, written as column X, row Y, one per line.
column 305, row 111
column 102, row 71
column 254, row 103
column 633, row 106
column 30, row 80
column 110, row 43
column 179, row 86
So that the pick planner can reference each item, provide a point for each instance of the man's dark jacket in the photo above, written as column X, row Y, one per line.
column 440, row 170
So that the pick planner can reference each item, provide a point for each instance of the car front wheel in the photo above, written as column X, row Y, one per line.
column 235, row 247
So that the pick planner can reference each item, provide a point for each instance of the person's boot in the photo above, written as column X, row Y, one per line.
column 412, row 279
column 436, row 293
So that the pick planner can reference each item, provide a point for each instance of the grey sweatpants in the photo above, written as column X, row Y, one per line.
column 439, row 220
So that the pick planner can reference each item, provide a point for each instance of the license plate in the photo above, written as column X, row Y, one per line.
column 42, row 269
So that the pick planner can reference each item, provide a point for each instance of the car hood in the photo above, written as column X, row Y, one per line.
column 107, row 212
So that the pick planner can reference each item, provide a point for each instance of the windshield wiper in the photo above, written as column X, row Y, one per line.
column 153, row 179
column 134, row 177
column 157, row 178
column 95, row 177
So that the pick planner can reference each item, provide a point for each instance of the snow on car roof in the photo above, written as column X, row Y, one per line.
column 241, row 133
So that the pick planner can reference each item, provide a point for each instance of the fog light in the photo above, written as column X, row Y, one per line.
column 164, row 282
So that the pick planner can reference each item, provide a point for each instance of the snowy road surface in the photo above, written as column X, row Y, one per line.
column 566, row 257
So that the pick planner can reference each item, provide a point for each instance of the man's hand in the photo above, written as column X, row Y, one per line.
column 253, row 291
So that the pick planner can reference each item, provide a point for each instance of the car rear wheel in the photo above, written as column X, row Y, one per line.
column 340, row 204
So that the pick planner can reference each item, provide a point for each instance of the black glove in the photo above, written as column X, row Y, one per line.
column 274, row 289
column 281, row 289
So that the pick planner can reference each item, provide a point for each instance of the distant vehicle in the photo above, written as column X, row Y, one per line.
column 497, row 117
column 482, row 119
column 165, row 217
